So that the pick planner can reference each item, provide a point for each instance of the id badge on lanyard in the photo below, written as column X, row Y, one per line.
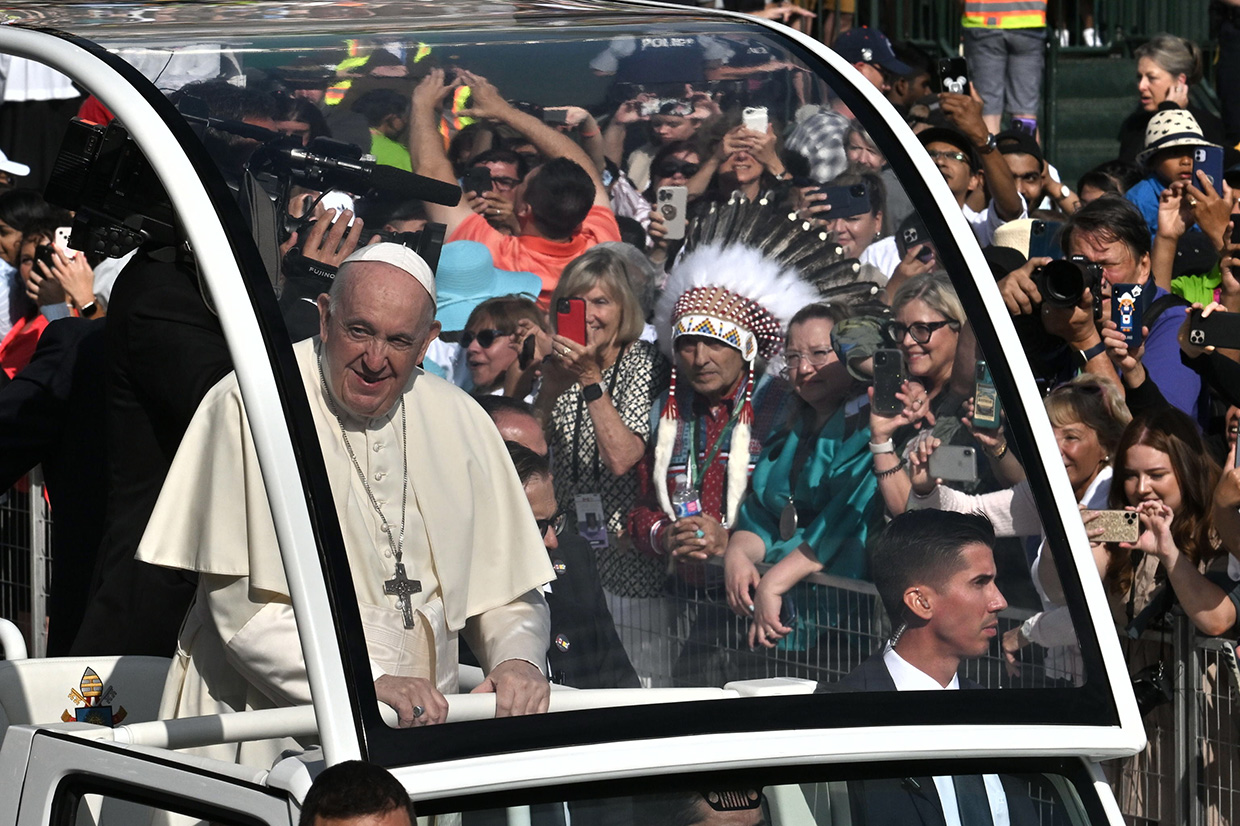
column 591, row 522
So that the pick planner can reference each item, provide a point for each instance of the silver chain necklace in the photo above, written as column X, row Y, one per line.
column 399, row 586
column 397, row 546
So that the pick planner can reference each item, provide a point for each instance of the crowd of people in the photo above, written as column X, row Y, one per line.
column 718, row 350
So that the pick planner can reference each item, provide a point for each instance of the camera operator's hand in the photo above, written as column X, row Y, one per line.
column 1018, row 289
column 657, row 232
column 1127, row 361
column 331, row 239
column 919, row 464
column 911, row 265
column 1211, row 209
column 703, row 103
column 1074, row 325
column 737, row 140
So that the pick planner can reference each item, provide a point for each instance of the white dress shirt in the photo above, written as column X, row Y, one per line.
column 908, row 677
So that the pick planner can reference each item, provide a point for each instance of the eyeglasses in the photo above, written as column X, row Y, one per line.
column 958, row 157
column 505, row 183
column 669, row 168
column 485, row 338
column 361, row 334
column 814, row 359
column 921, row 331
column 1029, row 177
column 556, row 523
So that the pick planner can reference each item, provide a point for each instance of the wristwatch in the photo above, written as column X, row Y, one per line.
column 989, row 146
column 592, row 392
column 1093, row 352
column 88, row 309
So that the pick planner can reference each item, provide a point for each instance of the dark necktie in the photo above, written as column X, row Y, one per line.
column 971, row 800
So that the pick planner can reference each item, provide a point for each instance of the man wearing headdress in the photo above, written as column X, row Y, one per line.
column 723, row 309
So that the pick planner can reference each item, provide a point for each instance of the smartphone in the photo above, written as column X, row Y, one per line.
column 755, row 118
column 43, row 252
column 847, row 201
column 1119, row 526
column 477, row 179
column 527, row 352
column 1127, row 304
column 1044, row 239
column 985, row 399
column 673, row 204
column 1027, row 125
column 953, row 75
column 570, row 319
column 1209, row 159
column 555, row 117
column 913, row 233
column 955, row 463
column 1217, row 329
column 787, row 611
column 889, row 376
column 61, row 239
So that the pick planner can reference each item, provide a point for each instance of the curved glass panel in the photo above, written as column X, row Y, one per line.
column 785, row 137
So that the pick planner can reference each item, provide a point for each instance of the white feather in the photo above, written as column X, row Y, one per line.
column 743, row 270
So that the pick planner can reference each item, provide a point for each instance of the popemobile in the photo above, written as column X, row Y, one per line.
column 81, row 739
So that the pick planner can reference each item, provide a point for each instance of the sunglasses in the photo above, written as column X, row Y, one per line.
column 669, row 168
column 921, row 331
column 485, row 338
column 555, row 523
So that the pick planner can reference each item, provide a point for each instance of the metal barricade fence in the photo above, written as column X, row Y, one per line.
column 1189, row 774
column 25, row 559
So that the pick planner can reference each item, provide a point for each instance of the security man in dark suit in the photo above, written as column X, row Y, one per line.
column 935, row 573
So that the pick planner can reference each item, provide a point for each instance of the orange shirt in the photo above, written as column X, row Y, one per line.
column 529, row 253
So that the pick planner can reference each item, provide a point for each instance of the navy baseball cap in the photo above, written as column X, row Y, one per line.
column 866, row 45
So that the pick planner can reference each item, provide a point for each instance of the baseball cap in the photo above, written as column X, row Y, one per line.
column 1014, row 141
column 866, row 45
column 945, row 134
column 400, row 257
column 12, row 167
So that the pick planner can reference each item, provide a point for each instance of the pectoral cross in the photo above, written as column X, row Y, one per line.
column 402, row 587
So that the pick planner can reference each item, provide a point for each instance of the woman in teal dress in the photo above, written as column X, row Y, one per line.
column 823, row 459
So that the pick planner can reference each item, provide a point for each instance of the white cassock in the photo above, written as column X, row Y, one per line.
column 470, row 539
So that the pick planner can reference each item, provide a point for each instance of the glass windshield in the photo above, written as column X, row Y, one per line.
column 697, row 541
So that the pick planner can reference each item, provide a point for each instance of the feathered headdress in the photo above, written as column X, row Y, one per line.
column 735, row 294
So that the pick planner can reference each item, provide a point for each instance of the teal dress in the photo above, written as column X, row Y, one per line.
column 837, row 507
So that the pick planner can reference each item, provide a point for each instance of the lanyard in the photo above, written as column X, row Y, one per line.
column 695, row 478
column 581, row 406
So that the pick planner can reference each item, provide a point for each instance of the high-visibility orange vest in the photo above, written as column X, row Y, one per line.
column 1004, row 14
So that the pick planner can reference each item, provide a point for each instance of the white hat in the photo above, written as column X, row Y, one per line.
column 400, row 257
column 1171, row 127
column 12, row 167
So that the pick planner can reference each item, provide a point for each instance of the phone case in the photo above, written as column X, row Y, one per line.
column 985, row 400
column 1210, row 160
column 476, row 179
column 847, row 201
column 570, row 319
column 755, row 118
column 953, row 75
column 957, row 463
column 1127, row 304
column 889, row 375
column 1215, row 330
column 1120, row 526
column 1044, row 239
column 673, row 203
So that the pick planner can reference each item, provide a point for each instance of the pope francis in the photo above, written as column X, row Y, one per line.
column 439, row 536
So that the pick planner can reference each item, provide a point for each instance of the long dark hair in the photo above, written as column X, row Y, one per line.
column 1196, row 472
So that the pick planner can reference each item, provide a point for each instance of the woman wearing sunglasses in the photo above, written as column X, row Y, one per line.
column 928, row 329
column 492, row 343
